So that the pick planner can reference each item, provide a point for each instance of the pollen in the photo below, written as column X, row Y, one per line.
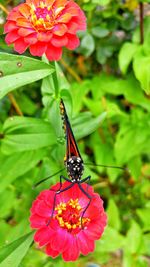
column 42, row 5
column 44, row 17
column 69, row 216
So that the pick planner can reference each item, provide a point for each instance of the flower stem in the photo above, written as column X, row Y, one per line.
column 4, row 9
column 55, row 80
column 71, row 71
column 15, row 104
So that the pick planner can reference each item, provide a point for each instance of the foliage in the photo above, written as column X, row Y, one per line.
column 106, row 91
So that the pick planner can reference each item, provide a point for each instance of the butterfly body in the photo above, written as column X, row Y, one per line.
column 74, row 166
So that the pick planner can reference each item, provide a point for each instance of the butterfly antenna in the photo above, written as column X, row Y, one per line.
column 45, row 179
column 107, row 166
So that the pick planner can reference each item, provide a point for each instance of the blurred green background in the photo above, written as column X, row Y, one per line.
column 106, row 85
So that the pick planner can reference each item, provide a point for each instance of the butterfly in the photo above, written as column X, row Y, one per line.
column 73, row 163
column 72, row 160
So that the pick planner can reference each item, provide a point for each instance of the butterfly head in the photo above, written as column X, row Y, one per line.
column 75, row 168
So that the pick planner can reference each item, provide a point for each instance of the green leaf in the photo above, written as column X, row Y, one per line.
column 26, row 105
column 88, row 44
column 22, row 134
column 134, row 261
column 113, row 109
column 12, row 254
column 111, row 240
column 5, row 230
column 145, row 244
column 144, row 215
column 141, row 66
column 48, row 84
column 126, row 55
column 19, row 70
column 104, row 2
column 7, row 205
column 17, row 164
column 104, row 154
column 52, row 112
column 87, row 125
column 127, row 259
column 129, row 87
column 100, row 32
column 94, row 106
column 133, row 239
column 19, row 230
column 113, row 215
column 141, row 262
column 134, row 166
column 79, row 89
column 102, row 53
column 133, row 133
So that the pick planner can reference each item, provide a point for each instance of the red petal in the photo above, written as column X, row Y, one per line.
column 10, row 26
column 11, row 37
column 72, row 27
column 60, row 29
column 60, row 240
column 37, row 221
column 53, row 53
column 73, row 42
column 81, row 23
column 61, row 3
column 72, row 251
column 63, row 197
column 25, row 10
column 65, row 17
column 44, row 36
column 43, row 236
column 94, row 230
column 73, row 11
column 51, row 252
column 13, row 15
column 34, row 2
column 31, row 39
column 43, row 194
column 59, row 41
column 48, row 197
column 85, row 245
column 49, row 3
column 22, row 22
column 25, row 31
column 42, row 209
column 20, row 46
column 34, row 205
column 38, row 49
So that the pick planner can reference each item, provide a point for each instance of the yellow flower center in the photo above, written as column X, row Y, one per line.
column 44, row 17
column 69, row 216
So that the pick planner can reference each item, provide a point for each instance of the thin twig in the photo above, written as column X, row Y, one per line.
column 71, row 71
column 4, row 9
column 101, row 185
column 141, row 7
column 15, row 104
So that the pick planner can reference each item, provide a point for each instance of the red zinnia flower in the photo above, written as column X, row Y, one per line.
column 45, row 26
column 63, row 233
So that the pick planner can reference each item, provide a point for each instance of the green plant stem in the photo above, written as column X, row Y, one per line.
column 15, row 104
column 55, row 80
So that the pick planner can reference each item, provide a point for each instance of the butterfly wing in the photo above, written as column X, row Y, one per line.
column 72, row 148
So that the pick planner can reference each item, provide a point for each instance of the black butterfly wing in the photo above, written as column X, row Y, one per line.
column 72, row 148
